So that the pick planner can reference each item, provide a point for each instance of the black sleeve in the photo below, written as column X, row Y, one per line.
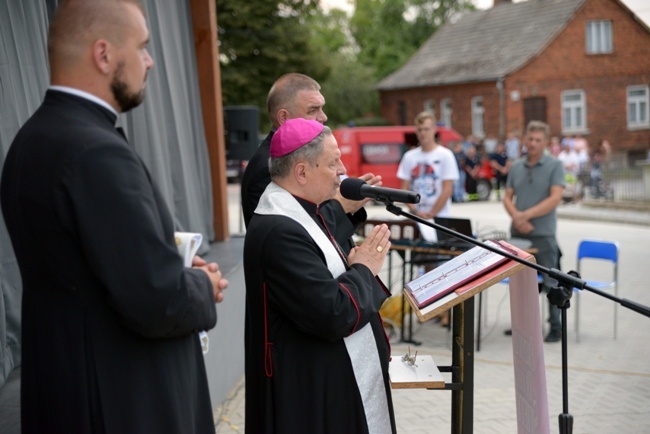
column 300, row 285
column 256, row 178
column 127, row 236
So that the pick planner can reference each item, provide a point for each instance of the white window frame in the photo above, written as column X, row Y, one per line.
column 599, row 38
column 478, row 110
column 638, row 106
column 574, row 111
column 446, row 111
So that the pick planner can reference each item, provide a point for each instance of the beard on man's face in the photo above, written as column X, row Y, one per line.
column 125, row 99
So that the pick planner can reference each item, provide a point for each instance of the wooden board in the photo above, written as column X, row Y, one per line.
column 423, row 376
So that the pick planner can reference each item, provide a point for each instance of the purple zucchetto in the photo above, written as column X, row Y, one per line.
column 293, row 134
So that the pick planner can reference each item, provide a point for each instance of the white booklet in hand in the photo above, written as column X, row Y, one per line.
column 188, row 244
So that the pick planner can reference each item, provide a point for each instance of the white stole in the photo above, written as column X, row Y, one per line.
column 361, row 345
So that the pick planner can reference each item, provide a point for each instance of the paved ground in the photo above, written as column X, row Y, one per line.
column 609, row 379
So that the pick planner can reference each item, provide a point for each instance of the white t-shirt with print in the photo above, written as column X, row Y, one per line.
column 425, row 171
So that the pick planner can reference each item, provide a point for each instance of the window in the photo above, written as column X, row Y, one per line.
column 574, row 112
column 428, row 106
column 637, row 107
column 477, row 116
column 599, row 37
column 445, row 112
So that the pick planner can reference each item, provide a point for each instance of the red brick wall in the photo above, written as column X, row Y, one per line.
column 461, row 104
column 563, row 65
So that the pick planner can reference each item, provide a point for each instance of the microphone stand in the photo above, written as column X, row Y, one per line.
column 559, row 296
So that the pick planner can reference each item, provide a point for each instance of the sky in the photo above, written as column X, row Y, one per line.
column 640, row 7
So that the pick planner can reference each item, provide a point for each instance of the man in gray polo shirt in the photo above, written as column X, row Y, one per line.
column 533, row 192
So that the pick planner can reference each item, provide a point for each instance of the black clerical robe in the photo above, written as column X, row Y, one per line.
column 301, row 373
column 109, row 315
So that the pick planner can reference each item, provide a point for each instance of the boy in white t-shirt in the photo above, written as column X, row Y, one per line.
column 430, row 170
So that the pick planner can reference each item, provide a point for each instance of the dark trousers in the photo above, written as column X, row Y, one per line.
column 548, row 255
column 500, row 180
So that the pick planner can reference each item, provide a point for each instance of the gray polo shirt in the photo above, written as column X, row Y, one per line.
column 531, row 185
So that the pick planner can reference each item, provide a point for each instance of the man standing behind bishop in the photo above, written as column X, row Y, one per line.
column 316, row 352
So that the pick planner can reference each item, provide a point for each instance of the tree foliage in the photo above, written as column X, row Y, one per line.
column 349, row 88
column 330, row 30
column 349, row 92
column 259, row 40
column 388, row 32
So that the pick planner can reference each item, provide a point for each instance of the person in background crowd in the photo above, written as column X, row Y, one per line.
column 555, row 148
column 429, row 170
column 582, row 149
column 569, row 158
column 598, row 186
column 605, row 150
column 571, row 164
column 490, row 144
column 459, row 184
column 513, row 145
column 470, row 140
column 533, row 192
column 472, row 168
column 500, row 164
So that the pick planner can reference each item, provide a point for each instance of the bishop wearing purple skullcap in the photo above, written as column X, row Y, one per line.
column 293, row 134
column 316, row 352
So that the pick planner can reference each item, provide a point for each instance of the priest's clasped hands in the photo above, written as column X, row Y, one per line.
column 216, row 278
column 373, row 250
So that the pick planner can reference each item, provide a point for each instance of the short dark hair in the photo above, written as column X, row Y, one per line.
column 75, row 21
column 539, row 126
column 284, row 91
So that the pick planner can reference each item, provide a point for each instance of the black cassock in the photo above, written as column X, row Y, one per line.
column 299, row 374
column 109, row 314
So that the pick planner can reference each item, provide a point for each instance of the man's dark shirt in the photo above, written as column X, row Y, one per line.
column 256, row 178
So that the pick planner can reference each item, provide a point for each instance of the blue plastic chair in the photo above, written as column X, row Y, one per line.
column 600, row 250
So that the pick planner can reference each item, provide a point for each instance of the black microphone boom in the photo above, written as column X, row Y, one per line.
column 357, row 189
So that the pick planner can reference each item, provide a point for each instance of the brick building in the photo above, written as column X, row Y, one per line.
column 583, row 66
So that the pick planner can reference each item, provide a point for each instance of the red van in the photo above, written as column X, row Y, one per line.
column 380, row 149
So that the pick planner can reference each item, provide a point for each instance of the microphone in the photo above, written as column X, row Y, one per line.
column 357, row 189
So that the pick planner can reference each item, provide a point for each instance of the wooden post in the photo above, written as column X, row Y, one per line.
column 204, row 19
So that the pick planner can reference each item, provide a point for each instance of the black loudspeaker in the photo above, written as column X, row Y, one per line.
column 241, row 124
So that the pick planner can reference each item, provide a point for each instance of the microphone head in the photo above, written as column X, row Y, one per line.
column 351, row 188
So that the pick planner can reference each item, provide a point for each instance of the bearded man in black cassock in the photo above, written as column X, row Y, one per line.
column 316, row 352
